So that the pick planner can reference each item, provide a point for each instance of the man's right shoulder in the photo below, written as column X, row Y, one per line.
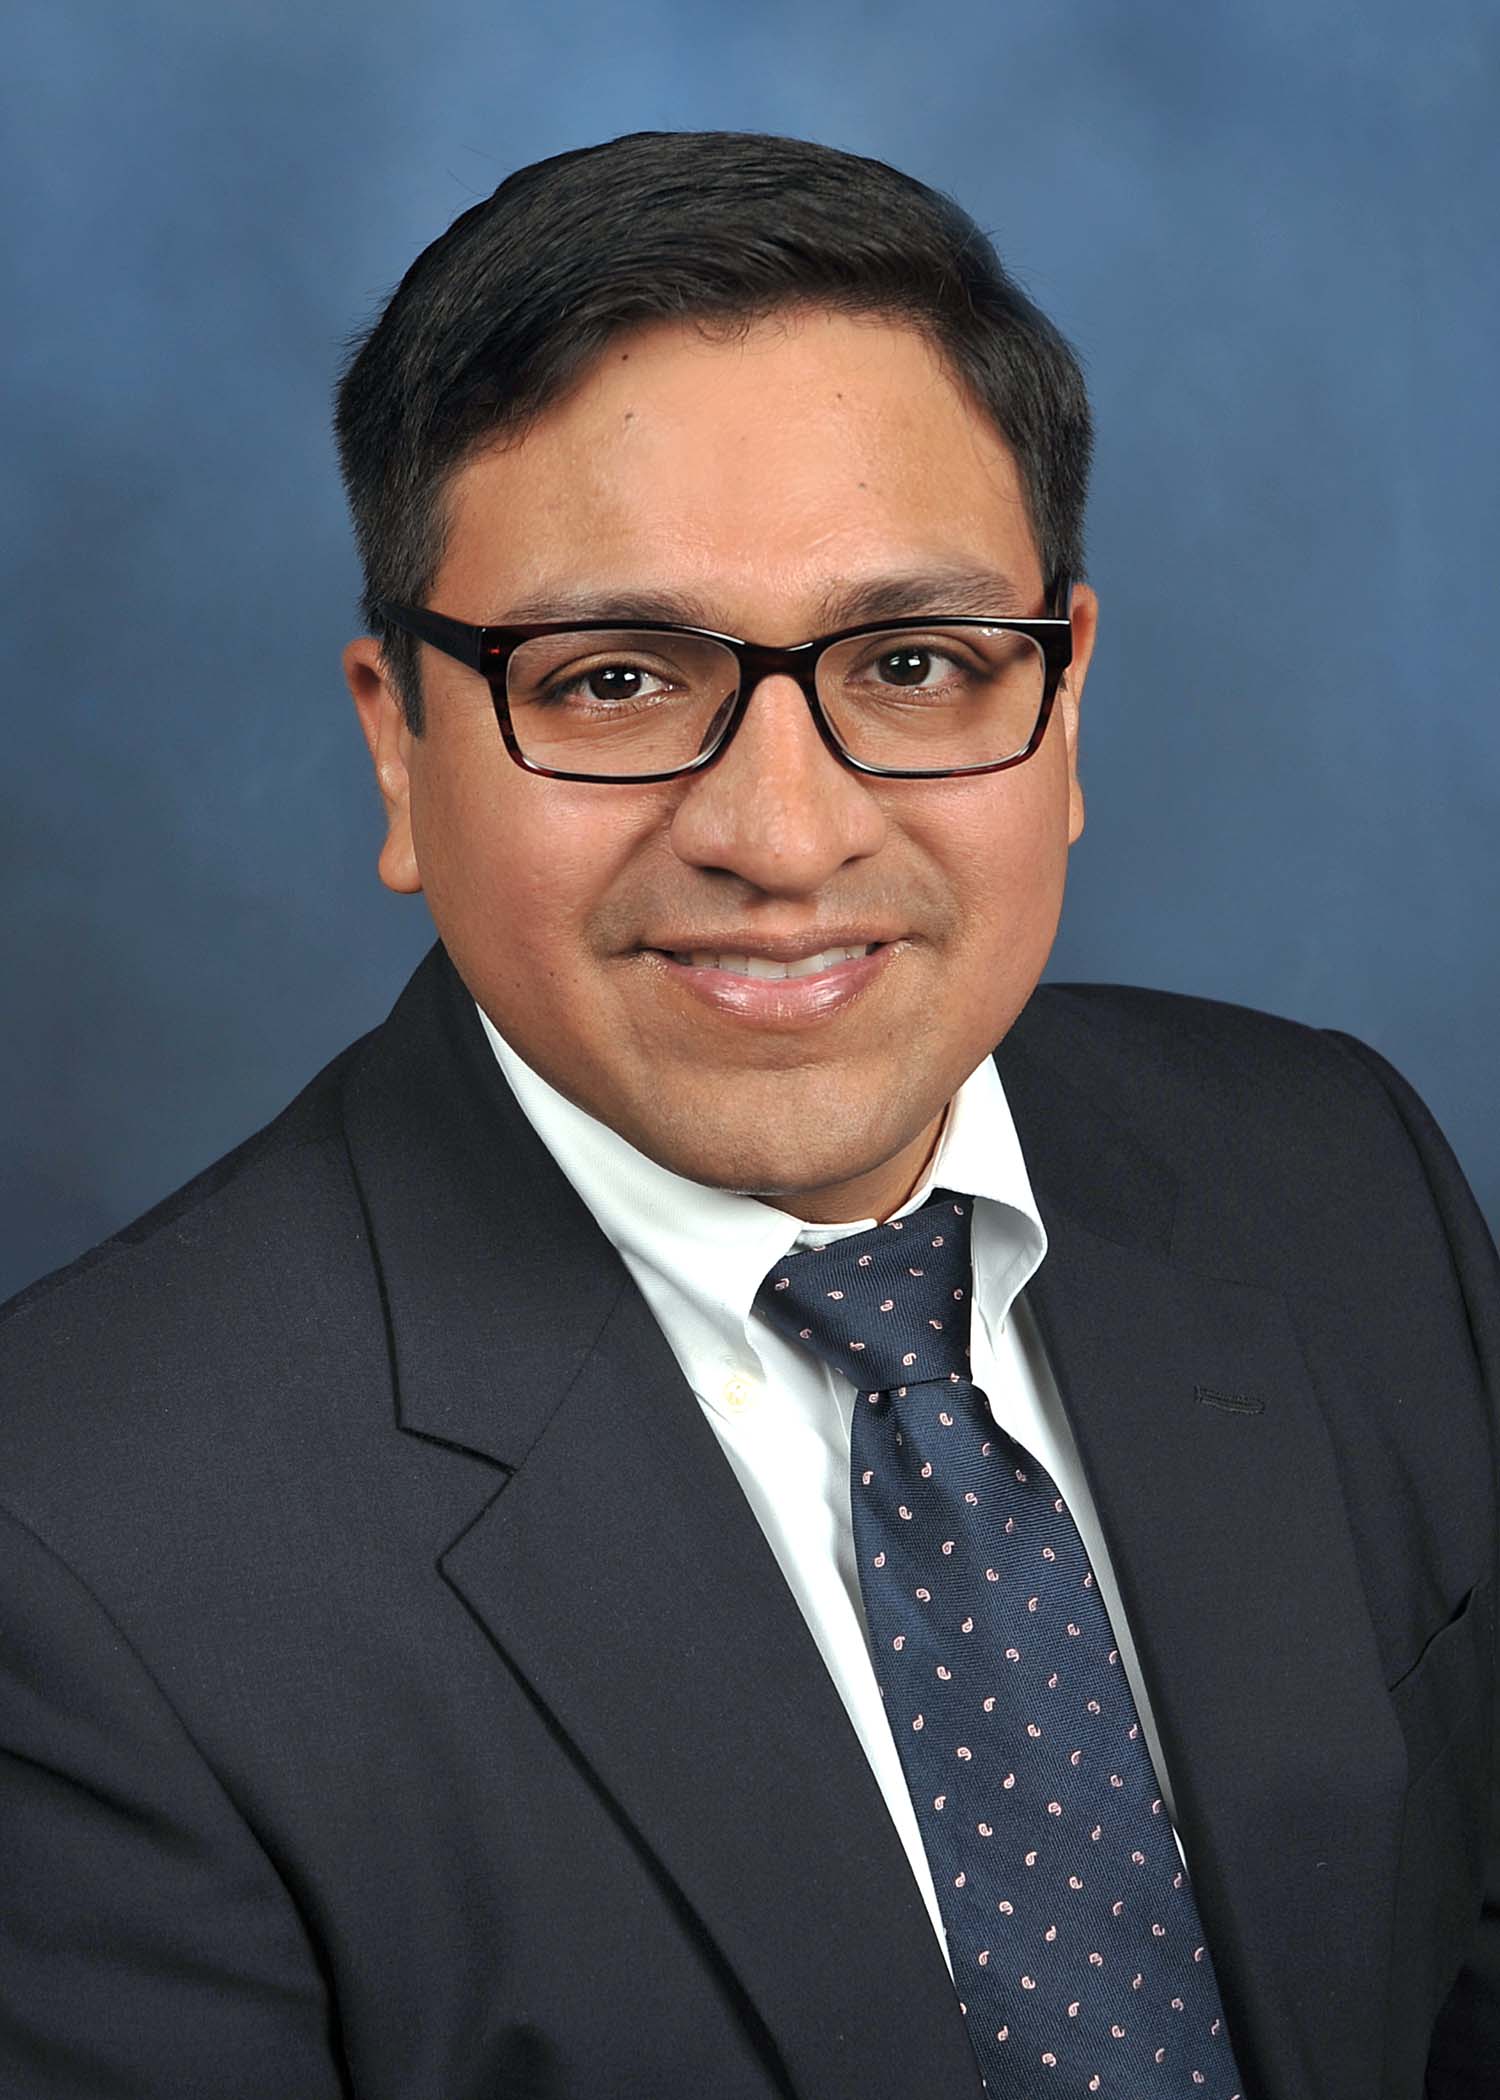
column 265, row 1244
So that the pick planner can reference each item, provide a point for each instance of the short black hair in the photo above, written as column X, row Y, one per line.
column 506, row 310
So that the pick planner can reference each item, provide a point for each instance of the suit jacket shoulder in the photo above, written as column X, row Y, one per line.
column 132, row 1359
column 1295, row 1151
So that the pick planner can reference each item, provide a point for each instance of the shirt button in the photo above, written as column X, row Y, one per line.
column 737, row 1394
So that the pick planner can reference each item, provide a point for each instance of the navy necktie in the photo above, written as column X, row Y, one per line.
column 1075, row 1942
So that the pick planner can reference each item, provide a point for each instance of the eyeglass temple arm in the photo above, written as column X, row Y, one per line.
column 454, row 637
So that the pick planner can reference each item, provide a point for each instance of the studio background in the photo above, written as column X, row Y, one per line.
column 1270, row 231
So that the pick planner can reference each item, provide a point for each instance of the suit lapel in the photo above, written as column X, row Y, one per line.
column 622, row 1576
column 627, row 1582
column 1217, row 1491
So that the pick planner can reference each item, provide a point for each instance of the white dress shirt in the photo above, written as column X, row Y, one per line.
column 699, row 1255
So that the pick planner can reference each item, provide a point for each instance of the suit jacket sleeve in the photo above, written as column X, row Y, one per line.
column 147, row 1944
column 1464, row 2063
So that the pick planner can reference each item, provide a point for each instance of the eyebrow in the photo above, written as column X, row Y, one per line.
column 946, row 588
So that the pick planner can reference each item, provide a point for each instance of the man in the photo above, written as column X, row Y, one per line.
column 675, row 1526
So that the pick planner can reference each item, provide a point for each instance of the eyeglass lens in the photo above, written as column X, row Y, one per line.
column 630, row 701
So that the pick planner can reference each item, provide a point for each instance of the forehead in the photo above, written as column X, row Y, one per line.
column 757, row 472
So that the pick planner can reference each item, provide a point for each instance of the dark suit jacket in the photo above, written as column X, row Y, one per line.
column 398, row 1698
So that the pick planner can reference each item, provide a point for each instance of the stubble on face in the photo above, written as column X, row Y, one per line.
column 756, row 478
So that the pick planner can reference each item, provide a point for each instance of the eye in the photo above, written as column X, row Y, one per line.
column 930, row 664
column 612, row 683
column 912, row 664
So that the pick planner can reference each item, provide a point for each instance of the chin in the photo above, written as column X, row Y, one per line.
column 784, row 1166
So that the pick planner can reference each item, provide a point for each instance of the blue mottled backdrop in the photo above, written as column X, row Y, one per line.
column 1271, row 231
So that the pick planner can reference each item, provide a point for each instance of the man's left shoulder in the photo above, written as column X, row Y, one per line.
column 1291, row 1147
column 1188, row 1073
column 1196, row 1050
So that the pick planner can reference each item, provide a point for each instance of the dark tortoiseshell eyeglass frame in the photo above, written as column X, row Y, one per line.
column 488, row 650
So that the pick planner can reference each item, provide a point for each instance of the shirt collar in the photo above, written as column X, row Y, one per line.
column 702, row 1253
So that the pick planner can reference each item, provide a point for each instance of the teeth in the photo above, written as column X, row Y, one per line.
column 763, row 966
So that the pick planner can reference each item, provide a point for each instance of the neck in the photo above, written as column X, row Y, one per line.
column 878, row 1194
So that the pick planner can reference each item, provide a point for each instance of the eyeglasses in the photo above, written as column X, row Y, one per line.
column 923, row 698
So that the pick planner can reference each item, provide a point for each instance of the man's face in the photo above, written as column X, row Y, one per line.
column 758, row 482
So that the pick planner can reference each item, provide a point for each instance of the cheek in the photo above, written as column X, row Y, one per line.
column 467, row 835
column 518, row 872
column 1006, row 851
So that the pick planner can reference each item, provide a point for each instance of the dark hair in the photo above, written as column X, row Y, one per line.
column 497, row 319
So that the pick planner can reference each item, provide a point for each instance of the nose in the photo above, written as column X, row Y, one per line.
column 777, row 808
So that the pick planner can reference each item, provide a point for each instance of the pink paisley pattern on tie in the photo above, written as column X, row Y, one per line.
column 1076, row 1946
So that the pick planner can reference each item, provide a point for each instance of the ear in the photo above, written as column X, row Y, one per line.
column 383, row 720
column 1085, row 616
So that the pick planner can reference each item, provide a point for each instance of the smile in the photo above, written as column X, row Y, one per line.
column 769, row 967
column 786, row 991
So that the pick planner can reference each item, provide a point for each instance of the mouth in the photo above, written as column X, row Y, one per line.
column 771, row 968
column 777, row 987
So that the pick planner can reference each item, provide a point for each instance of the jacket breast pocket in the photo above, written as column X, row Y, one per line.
column 1449, row 1681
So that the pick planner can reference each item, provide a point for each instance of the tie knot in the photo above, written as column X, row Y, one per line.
column 888, row 1307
